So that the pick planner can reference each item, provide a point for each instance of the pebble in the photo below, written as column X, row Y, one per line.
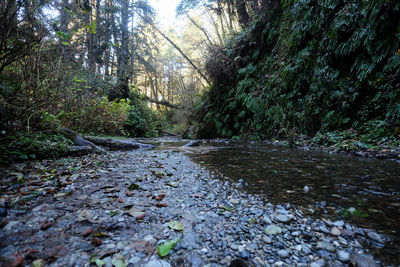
column 212, row 235
column 338, row 223
column 283, row 253
column 325, row 246
column 375, row 237
column 282, row 218
column 335, row 231
column 157, row 263
column 343, row 255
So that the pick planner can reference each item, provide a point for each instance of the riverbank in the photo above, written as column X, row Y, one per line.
column 117, row 208
column 350, row 147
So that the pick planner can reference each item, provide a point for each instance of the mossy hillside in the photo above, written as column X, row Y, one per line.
column 312, row 67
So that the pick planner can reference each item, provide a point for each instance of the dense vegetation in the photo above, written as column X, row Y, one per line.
column 308, row 67
column 92, row 66
column 327, row 69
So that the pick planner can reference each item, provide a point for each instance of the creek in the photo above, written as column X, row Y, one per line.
column 319, row 183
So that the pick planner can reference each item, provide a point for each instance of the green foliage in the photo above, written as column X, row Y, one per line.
column 99, row 116
column 319, row 66
column 368, row 135
column 28, row 146
column 166, row 247
column 353, row 213
column 142, row 121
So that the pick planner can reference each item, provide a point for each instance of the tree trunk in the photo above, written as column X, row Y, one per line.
column 242, row 14
column 175, row 46
column 254, row 8
column 269, row 5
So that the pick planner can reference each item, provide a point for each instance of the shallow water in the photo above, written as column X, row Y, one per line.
column 335, row 182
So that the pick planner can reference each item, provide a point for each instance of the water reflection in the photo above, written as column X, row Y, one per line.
column 337, row 181
column 316, row 182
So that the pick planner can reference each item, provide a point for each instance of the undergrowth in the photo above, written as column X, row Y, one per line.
column 327, row 69
column 35, row 145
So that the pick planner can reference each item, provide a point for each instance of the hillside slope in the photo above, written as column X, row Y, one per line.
column 307, row 67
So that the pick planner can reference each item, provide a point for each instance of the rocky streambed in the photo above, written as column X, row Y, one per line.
column 117, row 209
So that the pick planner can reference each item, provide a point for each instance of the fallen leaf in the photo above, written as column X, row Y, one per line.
column 161, row 205
column 119, row 261
column 160, row 197
column 101, row 235
column 141, row 217
column 165, row 248
column 38, row 263
column 18, row 261
column 87, row 232
column 175, row 225
column 144, row 247
column 85, row 215
column 129, row 193
column 137, row 214
column 96, row 242
column 149, row 194
column 113, row 213
column 97, row 261
column 46, row 226
column 63, row 194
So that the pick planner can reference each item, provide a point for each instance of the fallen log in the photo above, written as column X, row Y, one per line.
column 81, row 142
column 169, row 133
column 193, row 143
column 116, row 144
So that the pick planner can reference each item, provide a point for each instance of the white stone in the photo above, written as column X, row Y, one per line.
column 335, row 231
column 343, row 255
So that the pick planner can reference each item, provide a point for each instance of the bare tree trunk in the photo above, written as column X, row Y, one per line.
column 241, row 11
column 175, row 46
column 269, row 5
column 90, row 39
column 64, row 21
column 254, row 8
column 206, row 34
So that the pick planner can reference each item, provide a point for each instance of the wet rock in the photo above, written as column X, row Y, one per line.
column 375, row 237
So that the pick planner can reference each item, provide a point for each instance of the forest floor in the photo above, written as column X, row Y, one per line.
column 158, row 208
